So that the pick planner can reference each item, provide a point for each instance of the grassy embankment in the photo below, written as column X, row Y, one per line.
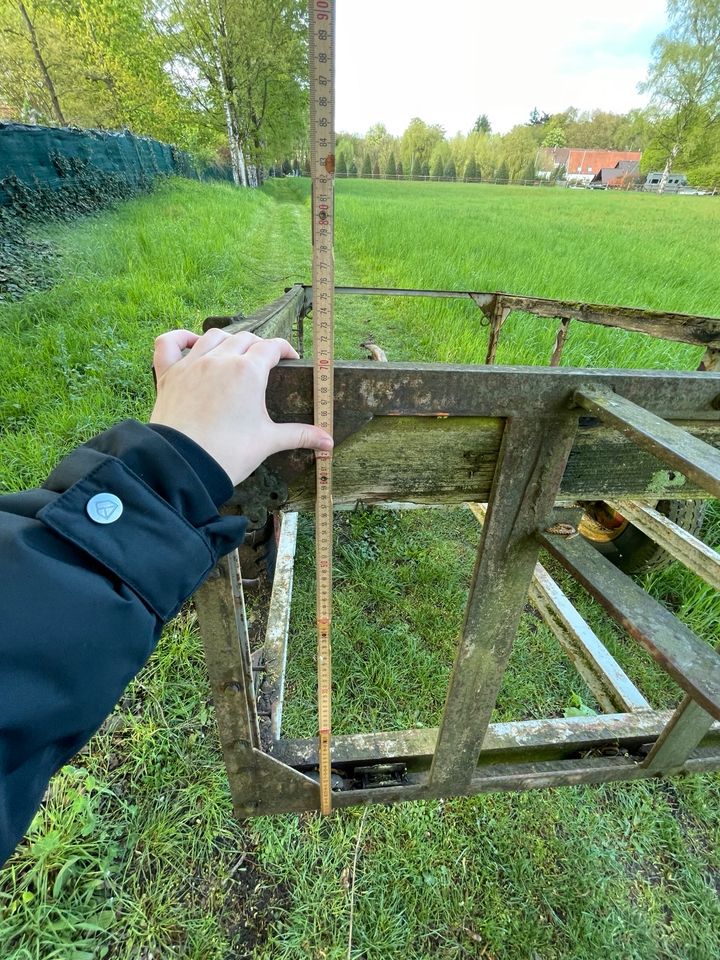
column 135, row 853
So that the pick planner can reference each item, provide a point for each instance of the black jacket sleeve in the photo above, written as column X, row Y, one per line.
column 83, row 602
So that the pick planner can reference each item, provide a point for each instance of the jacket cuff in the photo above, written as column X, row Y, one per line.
column 216, row 481
column 167, row 536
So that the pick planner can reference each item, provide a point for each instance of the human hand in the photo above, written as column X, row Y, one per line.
column 215, row 395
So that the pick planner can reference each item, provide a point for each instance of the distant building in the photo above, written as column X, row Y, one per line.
column 581, row 165
column 624, row 172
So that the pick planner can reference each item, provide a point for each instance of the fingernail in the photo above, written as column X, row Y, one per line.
column 326, row 443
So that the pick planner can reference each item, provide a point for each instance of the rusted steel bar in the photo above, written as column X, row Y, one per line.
column 465, row 450
column 499, row 317
column 607, row 681
column 687, row 658
column 530, row 466
column 605, row 678
column 274, row 659
column 683, row 734
column 257, row 782
column 439, row 389
column 527, row 776
column 238, row 595
column 277, row 319
column 683, row 546
column 232, row 688
column 676, row 446
column 560, row 342
column 522, row 740
column 681, row 327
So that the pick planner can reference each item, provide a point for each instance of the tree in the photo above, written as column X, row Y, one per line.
column 416, row 168
column 450, row 172
column 425, row 169
column 418, row 142
column 400, row 171
column 242, row 64
column 341, row 170
column 684, row 76
column 379, row 144
column 353, row 171
column 471, row 171
column 538, row 118
column 40, row 61
column 502, row 172
column 376, row 169
column 519, row 149
column 555, row 136
column 366, row 166
column 438, row 168
column 391, row 167
column 482, row 124
column 529, row 172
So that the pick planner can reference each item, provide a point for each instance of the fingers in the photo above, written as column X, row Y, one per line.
column 239, row 343
column 270, row 352
column 169, row 347
column 305, row 436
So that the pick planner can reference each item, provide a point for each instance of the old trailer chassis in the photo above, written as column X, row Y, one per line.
column 530, row 443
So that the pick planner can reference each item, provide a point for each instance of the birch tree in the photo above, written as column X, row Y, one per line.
column 243, row 63
column 684, row 76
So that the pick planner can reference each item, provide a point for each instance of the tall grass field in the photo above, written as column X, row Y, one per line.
column 135, row 854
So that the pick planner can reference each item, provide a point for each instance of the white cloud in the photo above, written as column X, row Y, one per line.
column 447, row 63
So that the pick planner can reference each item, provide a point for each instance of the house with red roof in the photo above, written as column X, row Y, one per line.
column 582, row 165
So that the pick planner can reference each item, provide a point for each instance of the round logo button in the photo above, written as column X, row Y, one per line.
column 104, row 508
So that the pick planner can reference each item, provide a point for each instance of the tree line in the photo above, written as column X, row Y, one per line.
column 424, row 150
column 228, row 79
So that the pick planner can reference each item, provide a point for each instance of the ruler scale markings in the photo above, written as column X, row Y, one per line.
column 322, row 163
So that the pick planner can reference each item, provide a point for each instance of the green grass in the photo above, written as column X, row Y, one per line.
column 135, row 853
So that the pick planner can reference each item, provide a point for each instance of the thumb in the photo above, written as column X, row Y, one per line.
column 306, row 436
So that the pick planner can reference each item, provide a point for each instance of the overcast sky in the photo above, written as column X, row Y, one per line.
column 447, row 61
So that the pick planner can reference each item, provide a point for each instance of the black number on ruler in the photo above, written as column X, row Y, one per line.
column 322, row 35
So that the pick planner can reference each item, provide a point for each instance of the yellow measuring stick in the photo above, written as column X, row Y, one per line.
column 322, row 165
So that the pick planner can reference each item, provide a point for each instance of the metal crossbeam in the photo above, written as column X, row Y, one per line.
column 688, row 659
column 675, row 446
column 531, row 463
column 605, row 678
column 683, row 734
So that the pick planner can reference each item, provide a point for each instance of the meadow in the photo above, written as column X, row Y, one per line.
column 135, row 854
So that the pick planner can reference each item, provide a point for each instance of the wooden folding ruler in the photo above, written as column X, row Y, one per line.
column 322, row 159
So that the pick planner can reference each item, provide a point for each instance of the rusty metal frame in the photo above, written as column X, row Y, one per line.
column 530, row 441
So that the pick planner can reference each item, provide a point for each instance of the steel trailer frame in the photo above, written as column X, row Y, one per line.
column 530, row 442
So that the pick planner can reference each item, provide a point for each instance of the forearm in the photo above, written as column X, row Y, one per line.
column 83, row 602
